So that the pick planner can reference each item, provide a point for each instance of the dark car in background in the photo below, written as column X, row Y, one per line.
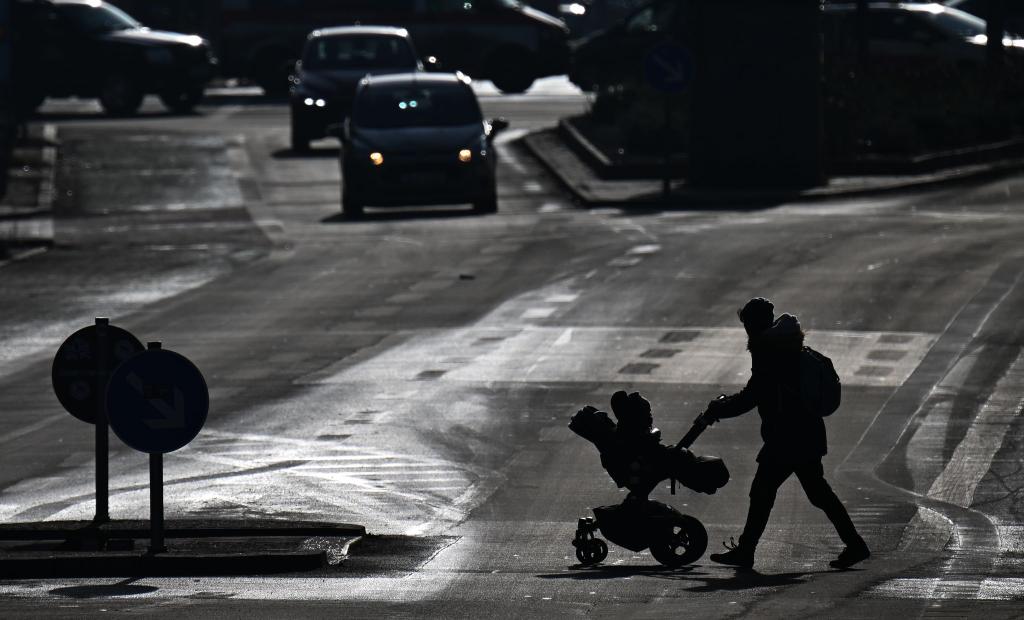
column 504, row 41
column 333, row 62
column 915, row 32
column 1013, row 12
column 418, row 139
column 90, row 48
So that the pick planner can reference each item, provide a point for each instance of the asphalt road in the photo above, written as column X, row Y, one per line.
column 415, row 371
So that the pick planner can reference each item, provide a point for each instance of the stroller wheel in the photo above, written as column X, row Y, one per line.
column 684, row 542
column 591, row 551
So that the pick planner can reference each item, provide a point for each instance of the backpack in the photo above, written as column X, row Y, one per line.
column 820, row 389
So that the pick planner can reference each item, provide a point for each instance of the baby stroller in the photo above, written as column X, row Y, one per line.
column 632, row 453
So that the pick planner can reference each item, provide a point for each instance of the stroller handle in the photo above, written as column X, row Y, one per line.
column 699, row 426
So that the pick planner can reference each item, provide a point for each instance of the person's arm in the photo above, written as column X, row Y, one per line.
column 733, row 406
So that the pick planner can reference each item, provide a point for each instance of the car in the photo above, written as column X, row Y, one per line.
column 914, row 32
column 418, row 138
column 90, row 48
column 333, row 61
column 1014, row 12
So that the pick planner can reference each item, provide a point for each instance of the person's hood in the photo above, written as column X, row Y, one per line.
column 784, row 335
column 156, row 38
column 420, row 139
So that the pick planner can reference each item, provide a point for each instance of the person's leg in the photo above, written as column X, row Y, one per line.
column 821, row 495
column 767, row 480
column 763, row 489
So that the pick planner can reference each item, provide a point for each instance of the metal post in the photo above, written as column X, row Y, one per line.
column 102, row 424
column 156, row 493
column 666, row 182
column 156, row 503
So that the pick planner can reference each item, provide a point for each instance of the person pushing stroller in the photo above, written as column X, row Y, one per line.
column 794, row 436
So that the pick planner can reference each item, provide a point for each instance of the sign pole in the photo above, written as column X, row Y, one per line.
column 156, row 491
column 102, row 433
column 156, row 503
column 666, row 182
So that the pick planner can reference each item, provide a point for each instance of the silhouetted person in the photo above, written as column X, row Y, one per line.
column 794, row 438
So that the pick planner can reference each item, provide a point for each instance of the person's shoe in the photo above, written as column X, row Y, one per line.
column 851, row 555
column 737, row 555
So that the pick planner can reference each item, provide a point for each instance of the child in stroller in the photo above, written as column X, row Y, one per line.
column 632, row 453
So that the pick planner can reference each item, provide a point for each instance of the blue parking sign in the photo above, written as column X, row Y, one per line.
column 668, row 68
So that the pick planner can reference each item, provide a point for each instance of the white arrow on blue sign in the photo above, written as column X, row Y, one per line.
column 668, row 68
column 157, row 401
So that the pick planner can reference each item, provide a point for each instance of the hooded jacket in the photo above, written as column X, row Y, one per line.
column 790, row 433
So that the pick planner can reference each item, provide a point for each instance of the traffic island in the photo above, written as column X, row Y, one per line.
column 594, row 179
column 195, row 548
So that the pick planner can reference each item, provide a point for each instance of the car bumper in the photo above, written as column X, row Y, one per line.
column 419, row 183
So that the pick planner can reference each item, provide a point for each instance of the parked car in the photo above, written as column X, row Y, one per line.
column 90, row 48
column 418, row 138
column 333, row 62
column 931, row 32
column 1014, row 12
column 500, row 40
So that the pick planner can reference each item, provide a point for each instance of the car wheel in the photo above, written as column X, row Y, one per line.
column 511, row 70
column 182, row 101
column 300, row 139
column 352, row 209
column 119, row 95
column 29, row 101
column 486, row 205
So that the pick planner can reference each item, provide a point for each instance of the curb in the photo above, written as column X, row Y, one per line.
column 84, row 530
column 168, row 565
column 683, row 197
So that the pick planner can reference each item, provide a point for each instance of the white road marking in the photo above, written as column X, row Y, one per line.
column 645, row 249
column 563, row 298
column 707, row 355
column 539, row 313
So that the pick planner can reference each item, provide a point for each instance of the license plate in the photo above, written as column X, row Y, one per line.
column 423, row 178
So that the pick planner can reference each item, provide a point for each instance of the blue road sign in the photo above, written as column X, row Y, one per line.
column 84, row 363
column 668, row 68
column 157, row 401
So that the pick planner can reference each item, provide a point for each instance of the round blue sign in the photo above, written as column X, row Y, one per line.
column 83, row 365
column 157, row 401
column 669, row 68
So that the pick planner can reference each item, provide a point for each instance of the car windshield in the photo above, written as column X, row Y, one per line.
column 416, row 106
column 957, row 23
column 96, row 17
column 358, row 52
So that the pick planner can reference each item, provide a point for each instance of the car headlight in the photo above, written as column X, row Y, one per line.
column 309, row 101
column 465, row 156
column 377, row 158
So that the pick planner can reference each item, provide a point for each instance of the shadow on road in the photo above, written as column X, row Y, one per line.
column 121, row 588
column 313, row 153
column 703, row 581
column 411, row 213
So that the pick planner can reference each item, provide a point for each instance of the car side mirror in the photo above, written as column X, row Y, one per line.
column 431, row 63
column 498, row 125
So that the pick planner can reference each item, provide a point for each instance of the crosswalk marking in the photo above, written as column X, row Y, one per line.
column 701, row 355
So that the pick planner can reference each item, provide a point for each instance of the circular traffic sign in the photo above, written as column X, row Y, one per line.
column 77, row 375
column 668, row 67
column 157, row 401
